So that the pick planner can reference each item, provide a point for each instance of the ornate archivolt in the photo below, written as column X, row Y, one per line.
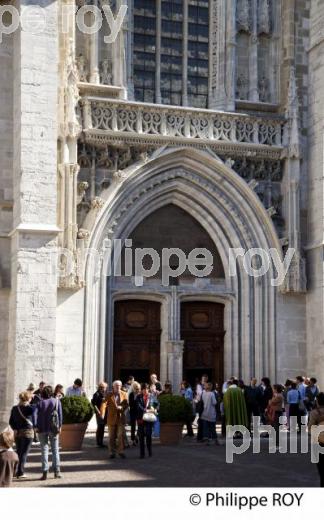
column 228, row 210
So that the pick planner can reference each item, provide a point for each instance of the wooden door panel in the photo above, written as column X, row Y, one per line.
column 202, row 329
column 136, row 337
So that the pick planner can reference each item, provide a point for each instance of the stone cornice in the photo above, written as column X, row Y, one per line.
column 101, row 138
column 30, row 227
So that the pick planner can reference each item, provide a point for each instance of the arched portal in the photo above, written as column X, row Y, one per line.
column 231, row 215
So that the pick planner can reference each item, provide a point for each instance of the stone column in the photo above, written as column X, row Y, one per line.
column 185, row 54
column 94, row 54
column 175, row 363
column 254, row 91
column 33, row 302
column 158, row 52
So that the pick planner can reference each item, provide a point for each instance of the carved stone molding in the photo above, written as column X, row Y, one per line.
column 97, row 203
column 83, row 234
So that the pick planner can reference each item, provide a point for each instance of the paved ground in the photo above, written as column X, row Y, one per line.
column 189, row 464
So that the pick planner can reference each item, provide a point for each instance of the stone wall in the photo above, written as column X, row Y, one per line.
column 291, row 337
column 315, row 245
column 6, row 196
column 33, row 244
column 69, row 337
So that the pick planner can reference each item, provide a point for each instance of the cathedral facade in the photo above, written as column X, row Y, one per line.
column 196, row 124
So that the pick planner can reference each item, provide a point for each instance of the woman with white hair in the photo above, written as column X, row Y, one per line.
column 22, row 422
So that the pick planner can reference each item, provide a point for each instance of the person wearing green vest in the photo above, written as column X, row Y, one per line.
column 234, row 406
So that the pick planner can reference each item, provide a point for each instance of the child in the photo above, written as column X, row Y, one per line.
column 8, row 458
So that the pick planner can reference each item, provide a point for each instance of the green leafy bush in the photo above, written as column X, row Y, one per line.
column 76, row 410
column 174, row 408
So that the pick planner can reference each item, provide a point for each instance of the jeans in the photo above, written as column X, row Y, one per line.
column 45, row 439
column 23, row 445
column 209, row 430
column 145, row 431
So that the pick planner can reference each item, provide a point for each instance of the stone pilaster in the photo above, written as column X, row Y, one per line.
column 217, row 55
column 185, row 54
column 34, row 287
column 158, row 52
column 175, row 363
column 94, row 54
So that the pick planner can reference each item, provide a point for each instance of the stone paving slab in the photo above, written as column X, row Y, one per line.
column 190, row 464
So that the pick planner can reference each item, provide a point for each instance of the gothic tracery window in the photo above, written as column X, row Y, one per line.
column 171, row 59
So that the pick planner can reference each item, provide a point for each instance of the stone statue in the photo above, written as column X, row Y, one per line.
column 71, row 94
column 243, row 15
column 264, row 21
column 242, row 86
column 82, row 68
column 105, row 72
column 264, row 89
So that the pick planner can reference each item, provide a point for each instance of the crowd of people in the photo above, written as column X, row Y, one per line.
column 38, row 417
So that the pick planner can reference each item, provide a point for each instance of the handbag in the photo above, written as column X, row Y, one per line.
column 149, row 417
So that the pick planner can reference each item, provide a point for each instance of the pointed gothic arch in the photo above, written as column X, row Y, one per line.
column 233, row 216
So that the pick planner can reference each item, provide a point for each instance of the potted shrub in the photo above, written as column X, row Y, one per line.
column 77, row 412
column 174, row 412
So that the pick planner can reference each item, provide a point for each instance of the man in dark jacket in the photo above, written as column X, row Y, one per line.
column 253, row 398
column 97, row 400
column 311, row 394
column 44, row 414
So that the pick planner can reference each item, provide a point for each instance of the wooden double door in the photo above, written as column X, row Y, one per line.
column 202, row 329
column 137, row 336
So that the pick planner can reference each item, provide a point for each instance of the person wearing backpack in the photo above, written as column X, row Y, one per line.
column 316, row 418
column 48, row 419
column 22, row 422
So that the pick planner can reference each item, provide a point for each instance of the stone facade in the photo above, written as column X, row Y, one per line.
column 84, row 160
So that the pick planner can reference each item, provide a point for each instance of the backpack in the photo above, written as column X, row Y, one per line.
column 55, row 420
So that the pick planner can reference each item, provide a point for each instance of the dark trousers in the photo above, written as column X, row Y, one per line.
column 145, row 431
column 133, row 428
column 189, row 428
column 276, row 426
column 252, row 411
column 295, row 412
column 23, row 445
column 320, row 467
column 209, row 430
column 200, row 430
column 100, row 431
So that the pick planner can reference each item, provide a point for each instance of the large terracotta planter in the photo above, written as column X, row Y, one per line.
column 72, row 436
column 171, row 433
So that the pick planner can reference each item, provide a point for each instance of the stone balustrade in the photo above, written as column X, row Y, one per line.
column 150, row 123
